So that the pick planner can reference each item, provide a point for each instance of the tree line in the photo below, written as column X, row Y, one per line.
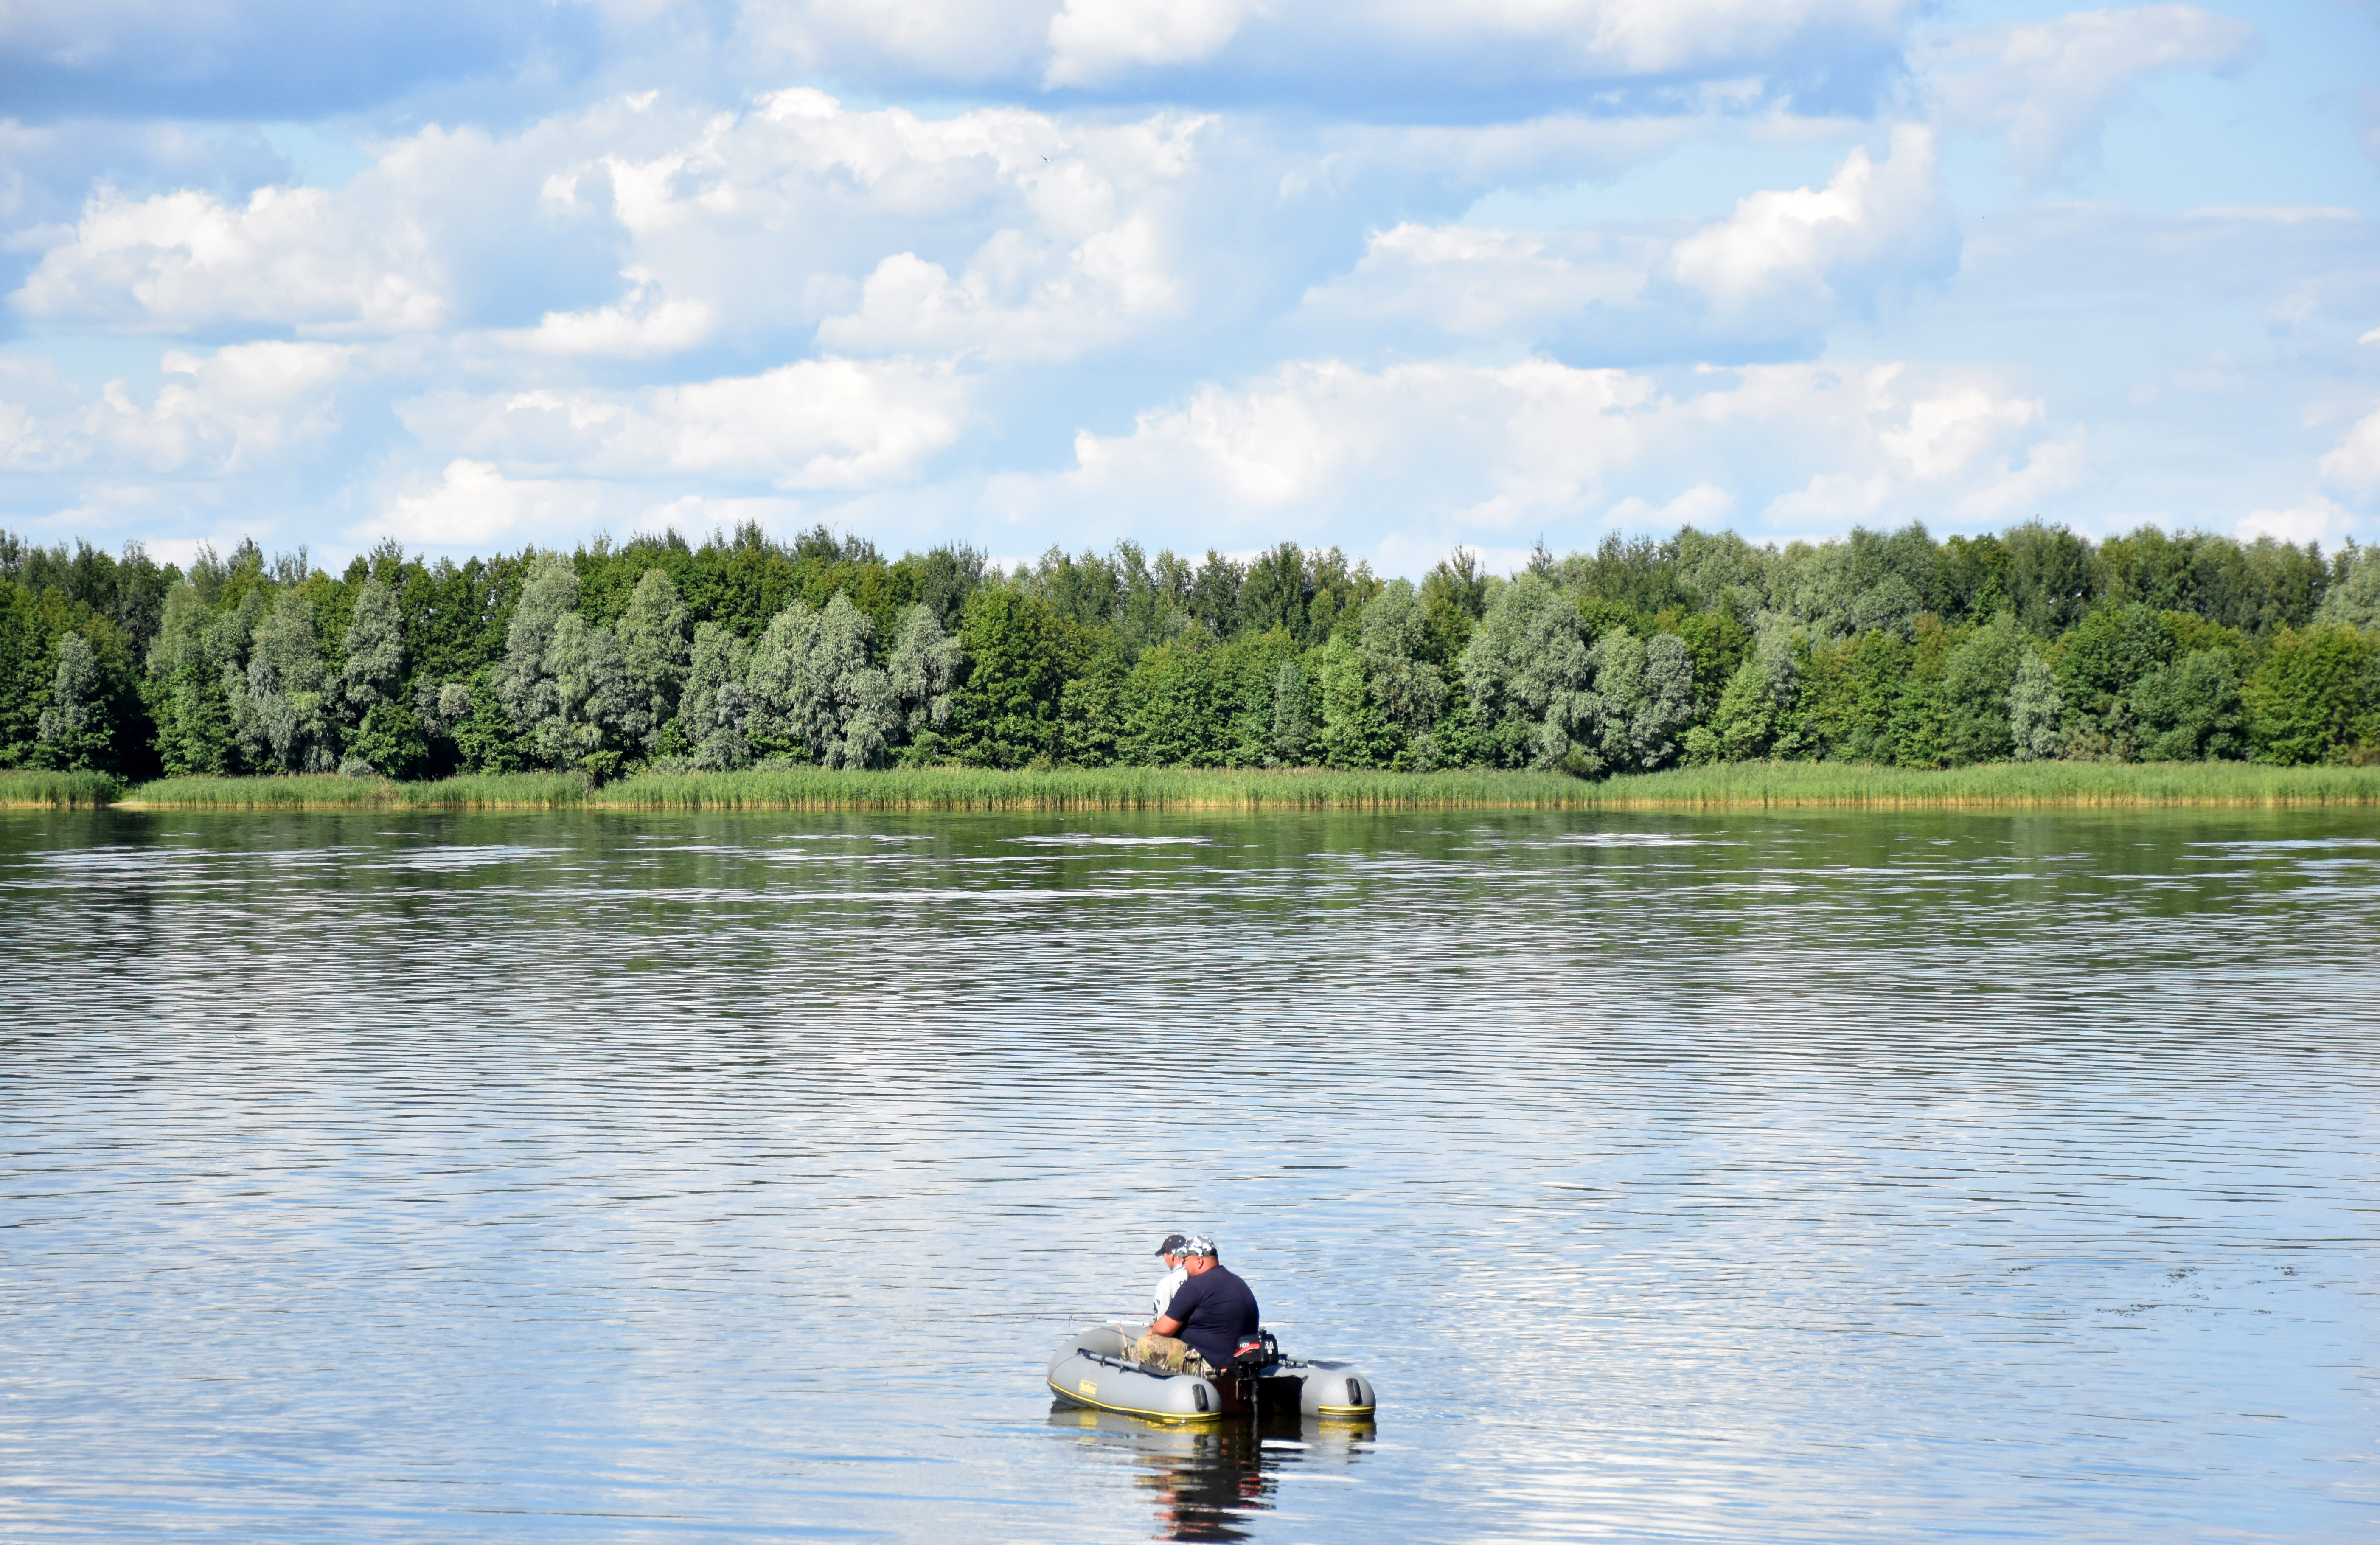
column 1883, row 647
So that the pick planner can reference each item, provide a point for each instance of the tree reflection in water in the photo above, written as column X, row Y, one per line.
column 1207, row 1480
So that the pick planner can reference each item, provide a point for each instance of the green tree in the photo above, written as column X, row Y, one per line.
column 1005, row 712
column 2036, row 710
column 286, row 716
column 1758, row 708
column 654, row 657
column 75, row 730
column 2313, row 697
column 375, row 671
column 1977, row 678
column 1091, row 709
column 715, row 705
column 1527, row 674
column 2353, row 598
column 1170, row 715
column 2192, row 709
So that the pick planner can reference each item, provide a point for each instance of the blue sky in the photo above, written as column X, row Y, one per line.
column 1394, row 276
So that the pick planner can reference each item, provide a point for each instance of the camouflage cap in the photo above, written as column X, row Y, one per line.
column 1198, row 1244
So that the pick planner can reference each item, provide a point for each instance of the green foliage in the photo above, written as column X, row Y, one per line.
column 2034, row 644
column 2316, row 697
column 1005, row 712
column 2353, row 598
column 75, row 732
column 2036, row 708
column 1979, row 678
column 2192, row 709
column 1756, row 710
column 1169, row 714
column 390, row 742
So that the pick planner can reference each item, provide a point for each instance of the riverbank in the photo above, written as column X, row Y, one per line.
column 956, row 789
column 1740, row 785
column 1997, row 785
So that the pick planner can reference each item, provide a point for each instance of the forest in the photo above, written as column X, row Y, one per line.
column 2034, row 644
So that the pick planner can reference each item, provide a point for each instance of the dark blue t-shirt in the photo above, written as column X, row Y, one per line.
column 1217, row 1313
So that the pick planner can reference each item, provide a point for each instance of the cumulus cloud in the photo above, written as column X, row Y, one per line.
column 1510, row 448
column 2048, row 86
column 835, row 424
column 1792, row 256
column 235, row 411
column 644, row 323
column 1468, row 283
column 1305, row 49
column 2353, row 466
column 1091, row 41
column 1781, row 267
column 182, row 260
column 2312, row 519
column 474, row 506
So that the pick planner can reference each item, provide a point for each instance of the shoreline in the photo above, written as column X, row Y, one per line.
column 1729, row 786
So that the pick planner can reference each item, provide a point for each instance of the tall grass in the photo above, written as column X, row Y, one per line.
column 329, row 791
column 1109, row 788
column 1785, row 784
column 1737, row 785
column 58, row 791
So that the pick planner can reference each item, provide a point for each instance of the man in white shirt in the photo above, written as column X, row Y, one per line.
column 1175, row 1276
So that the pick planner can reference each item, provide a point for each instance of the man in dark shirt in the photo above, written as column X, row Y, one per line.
column 1212, row 1312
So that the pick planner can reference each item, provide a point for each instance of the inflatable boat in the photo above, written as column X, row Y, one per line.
column 1094, row 1368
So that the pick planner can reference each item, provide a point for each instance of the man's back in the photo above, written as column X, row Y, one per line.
column 1217, row 1311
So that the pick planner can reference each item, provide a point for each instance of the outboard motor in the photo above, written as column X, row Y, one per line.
column 1254, row 1356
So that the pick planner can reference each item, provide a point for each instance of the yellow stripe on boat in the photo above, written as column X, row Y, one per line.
column 1169, row 1417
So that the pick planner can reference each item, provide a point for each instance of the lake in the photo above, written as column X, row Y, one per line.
column 1745, row 1177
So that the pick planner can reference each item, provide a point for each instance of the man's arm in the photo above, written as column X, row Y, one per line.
column 1185, row 1299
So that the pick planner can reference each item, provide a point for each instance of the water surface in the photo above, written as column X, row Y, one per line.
column 1754, row 1178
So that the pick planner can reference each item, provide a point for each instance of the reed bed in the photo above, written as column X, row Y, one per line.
column 1115, row 789
column 329, row 791
column 1736, row 785
column 58, row 791
column 2011, row 785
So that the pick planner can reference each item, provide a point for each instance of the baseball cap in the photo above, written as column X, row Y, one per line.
column 1173, row 1246
column 1198, row 1244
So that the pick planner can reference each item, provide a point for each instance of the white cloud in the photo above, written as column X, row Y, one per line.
column 1794, row 255
column 2354, row 465
column 2312, row 519
column 1590, row 37
column 1468, row 283
column 2049, row 85
column 2050, row 466
column 1064, row 305
column 1783, row 264
column 1706, row 507
column 1091, row 41
column 1459, row 449
column 836, row 424
column 242, row 408
column 179, row 261
column 473, row 505
column 1097, row 44
column 643, row 324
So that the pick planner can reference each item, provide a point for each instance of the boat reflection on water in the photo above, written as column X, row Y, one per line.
column 1208, row 1479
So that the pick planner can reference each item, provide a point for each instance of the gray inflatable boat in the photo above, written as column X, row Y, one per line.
column 1093, row 1368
